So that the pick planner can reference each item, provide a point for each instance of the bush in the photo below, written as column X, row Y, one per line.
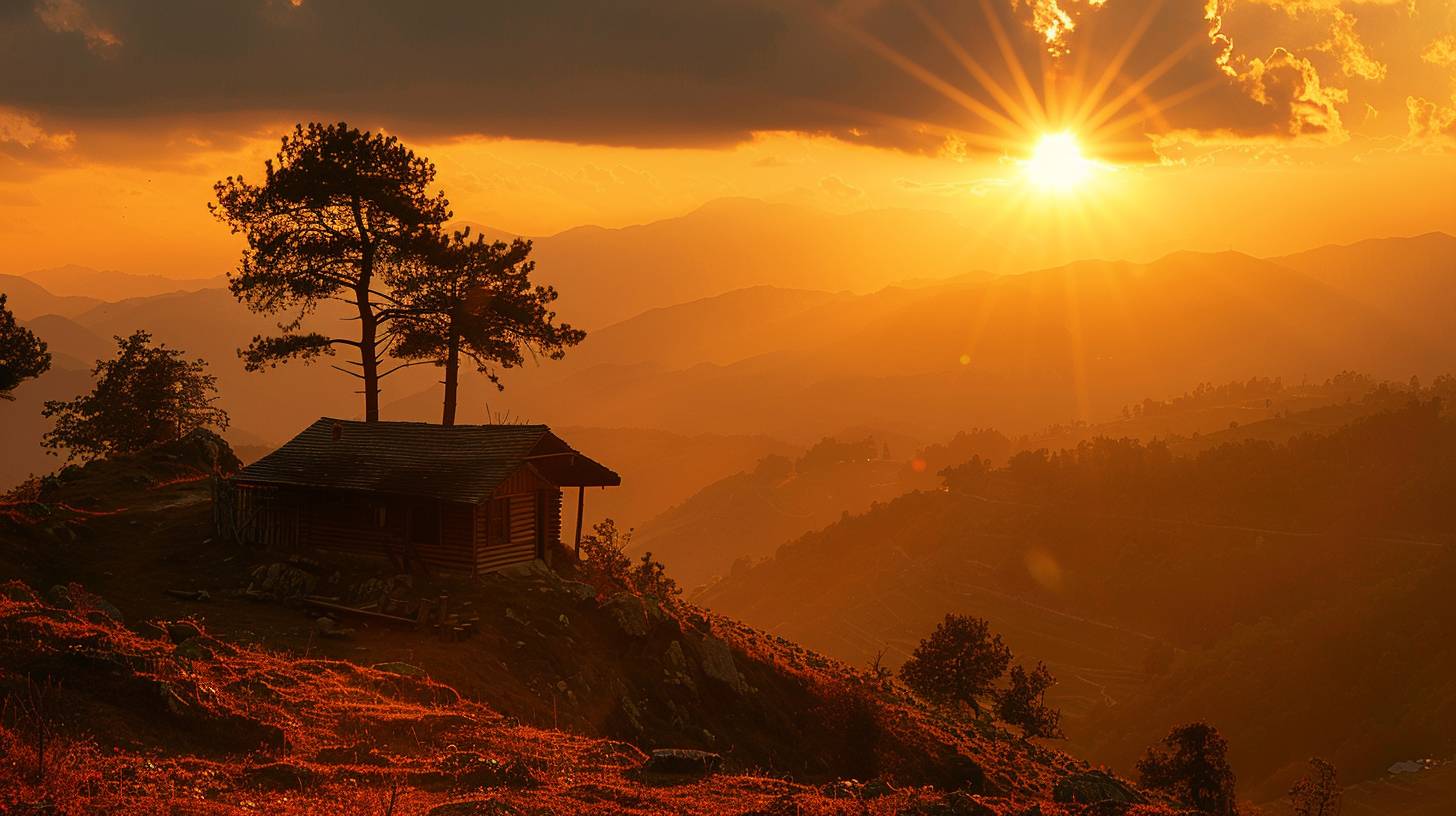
column 1191, row 764
column 607, row 566
column 959, row 663
column 1023, row 703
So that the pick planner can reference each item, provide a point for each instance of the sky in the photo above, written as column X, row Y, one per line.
column 1266, row 126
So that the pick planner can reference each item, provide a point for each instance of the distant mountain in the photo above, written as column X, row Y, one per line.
column 29, row 299
column 113, row 285
column 1017, row 352
column 608, row 275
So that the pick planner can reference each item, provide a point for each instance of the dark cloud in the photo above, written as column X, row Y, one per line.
column 624, row 72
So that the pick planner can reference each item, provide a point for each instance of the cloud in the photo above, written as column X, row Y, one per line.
column 838, row 188
column 930, row 77
column 70, row 16
column 1347, row 48
column 1441, row 52
column 19, row 129
column 1431, row 124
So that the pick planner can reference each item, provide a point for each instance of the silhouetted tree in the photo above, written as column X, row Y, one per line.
column 145, row 396
column 1317, row 793
column 1191, row 764
column 475, row 298
column 338, row 209
column 959, row 662
column 23, row 356
column 1023, row 703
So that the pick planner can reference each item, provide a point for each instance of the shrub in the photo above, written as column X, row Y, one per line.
column 1023, row 703
column 959, row 663
column 1191, row 765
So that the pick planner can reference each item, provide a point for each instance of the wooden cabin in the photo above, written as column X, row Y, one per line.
column 460, row 498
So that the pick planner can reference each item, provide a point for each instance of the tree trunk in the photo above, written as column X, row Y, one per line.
column 452, row 376
column 368, row 321
column 368, row 357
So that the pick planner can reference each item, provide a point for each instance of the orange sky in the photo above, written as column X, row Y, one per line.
column 1269, row 126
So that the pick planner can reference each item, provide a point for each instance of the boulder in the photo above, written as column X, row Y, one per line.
column 402, row 669
column 627, row 611
column 717, row 663
column 280, row 776
column 473, row 807
column 180, row 632
column 360, row 753
column 682, row 762
column 1095, row 786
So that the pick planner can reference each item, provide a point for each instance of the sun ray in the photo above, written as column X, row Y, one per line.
column 929, row 78
column 1114, row 66
column 1140, row 84
column 1027, row 118
column 1013, row 63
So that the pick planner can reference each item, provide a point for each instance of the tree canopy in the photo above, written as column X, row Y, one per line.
column 959, row 662
column 474, row 298
column 1023, row 703
column 144, row 396
column 337, row 210
column 23, row 356
column 1191, row 764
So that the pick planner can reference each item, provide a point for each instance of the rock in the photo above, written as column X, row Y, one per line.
column 682, row 762
column 675, row 656
column 358, row 754
column 403, row 669
column 473, row 807
column 959, row 803
column 193, row 649
column 717, row 663
column 60, row 597
column 19, row 593
column 627, row 611
column 280, row 776
column 1095, row 786
column 578, row 590
column 180, row 632
column 959, row 772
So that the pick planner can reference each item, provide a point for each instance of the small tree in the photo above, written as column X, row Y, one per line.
column 1023, row 703
column 338, row 210
column 959, row 663
column 23, row 356
column 1317, row 793
column 1191, row 764
column 145, row 396
column 475, row 299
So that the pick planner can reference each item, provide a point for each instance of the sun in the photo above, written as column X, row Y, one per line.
column 1057, row 163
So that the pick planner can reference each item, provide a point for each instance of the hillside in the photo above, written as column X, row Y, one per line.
column 238, row 697
column 1260, row 585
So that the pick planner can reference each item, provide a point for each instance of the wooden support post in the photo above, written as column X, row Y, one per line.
column 580, row 503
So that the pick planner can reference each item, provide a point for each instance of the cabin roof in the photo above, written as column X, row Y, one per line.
column 463, row 463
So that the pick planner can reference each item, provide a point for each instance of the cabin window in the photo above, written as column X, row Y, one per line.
column 500, row 522
column 424, row 527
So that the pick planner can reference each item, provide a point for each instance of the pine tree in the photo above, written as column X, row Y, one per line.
column 337, row 210
column 474, row 299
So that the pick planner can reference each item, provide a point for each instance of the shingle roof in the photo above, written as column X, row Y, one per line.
column 454, row 463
